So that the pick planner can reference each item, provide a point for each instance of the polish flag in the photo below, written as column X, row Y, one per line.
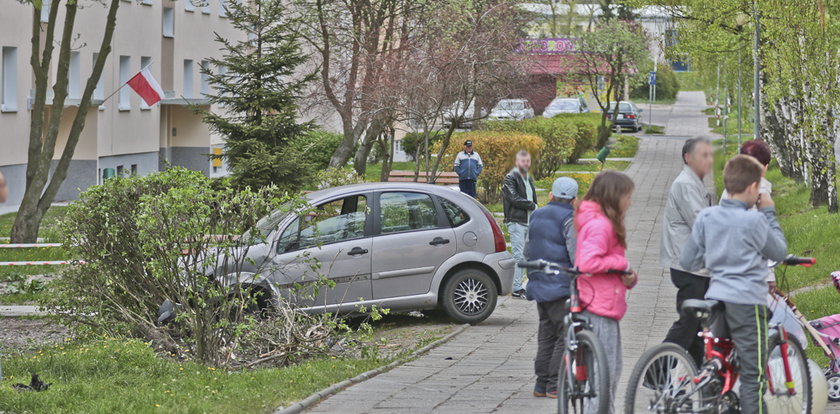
column 146, row 86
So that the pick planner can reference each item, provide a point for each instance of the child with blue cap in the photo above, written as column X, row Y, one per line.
column 551, row 238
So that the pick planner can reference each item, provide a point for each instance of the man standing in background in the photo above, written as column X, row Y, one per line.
column 468, row 165
column 687, row 197
column 519, row 197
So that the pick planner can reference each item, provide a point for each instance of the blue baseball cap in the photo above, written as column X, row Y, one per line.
column 564, row 187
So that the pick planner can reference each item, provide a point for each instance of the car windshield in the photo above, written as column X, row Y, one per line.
column 623, row 107
column 511, row 105
column 270, row 222
column 564, row 104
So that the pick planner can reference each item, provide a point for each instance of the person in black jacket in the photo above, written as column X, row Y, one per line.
column 519, row 197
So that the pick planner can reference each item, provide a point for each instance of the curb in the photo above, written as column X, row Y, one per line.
column 313, row 399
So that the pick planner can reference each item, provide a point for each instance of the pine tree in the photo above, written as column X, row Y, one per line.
column 257, row 85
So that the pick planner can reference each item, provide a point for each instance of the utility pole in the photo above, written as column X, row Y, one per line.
column 725, row 114
column 717, row 95
column 756, row 75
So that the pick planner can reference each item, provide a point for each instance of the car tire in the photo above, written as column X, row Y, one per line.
column 469, row 296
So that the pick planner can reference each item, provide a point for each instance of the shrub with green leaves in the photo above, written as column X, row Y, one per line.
column 566, row 138
column 412, row 139
column 317, row 146
column 171, row 236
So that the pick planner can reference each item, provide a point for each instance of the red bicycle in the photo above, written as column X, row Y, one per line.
column 666, row 380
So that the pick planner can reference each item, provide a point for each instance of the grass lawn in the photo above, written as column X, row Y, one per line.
column 625, row 146
column 654, row 129
column 108, row 376
column 49, row 225
column 372, row 171
column 809, row 232
column 732, row 128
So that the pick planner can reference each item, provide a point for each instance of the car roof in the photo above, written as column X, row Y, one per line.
column 514, row 100
column 351, row 189
column 566, row 99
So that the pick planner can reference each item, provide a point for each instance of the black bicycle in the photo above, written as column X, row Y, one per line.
column 583, row 380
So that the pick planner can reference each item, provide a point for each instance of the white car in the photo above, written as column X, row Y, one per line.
column 462, row 117
column 565, row 106
column 512, row 109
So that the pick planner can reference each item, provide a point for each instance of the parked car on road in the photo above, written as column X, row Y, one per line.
column 463, row 117
column 512, row 109
column 629, row 115
column 401, row 246
column 565, row 106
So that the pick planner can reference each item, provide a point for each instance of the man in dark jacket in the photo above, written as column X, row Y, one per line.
column 468, row 165
column 519, row 197
column 551, row 238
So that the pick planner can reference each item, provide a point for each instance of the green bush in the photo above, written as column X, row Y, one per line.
column 317, row 146
column 667, row 84
column 498, row 150
column 411, row 140
column 566, row 138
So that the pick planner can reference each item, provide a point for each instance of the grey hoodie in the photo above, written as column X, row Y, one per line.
column 734, row 243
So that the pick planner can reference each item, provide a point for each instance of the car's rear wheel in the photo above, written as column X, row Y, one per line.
column 469, row 296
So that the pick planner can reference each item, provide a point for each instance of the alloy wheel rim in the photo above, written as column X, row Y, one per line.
column 470, row 296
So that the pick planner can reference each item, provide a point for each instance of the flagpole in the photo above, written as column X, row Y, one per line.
column 126, row 82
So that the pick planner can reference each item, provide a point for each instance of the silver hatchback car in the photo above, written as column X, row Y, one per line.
column 401, row 246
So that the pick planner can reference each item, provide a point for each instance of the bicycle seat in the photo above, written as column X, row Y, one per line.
column 700, row 308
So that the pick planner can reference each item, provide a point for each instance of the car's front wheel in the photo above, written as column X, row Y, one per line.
column 469, row 296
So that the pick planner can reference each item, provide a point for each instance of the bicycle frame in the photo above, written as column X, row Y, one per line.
column 573, row 323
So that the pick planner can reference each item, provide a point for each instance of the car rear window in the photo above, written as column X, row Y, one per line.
column 456, row 215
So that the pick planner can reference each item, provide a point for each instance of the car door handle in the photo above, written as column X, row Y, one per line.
column 438, row 240
column 357, row 251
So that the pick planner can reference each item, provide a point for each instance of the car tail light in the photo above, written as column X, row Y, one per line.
column 630, row 116
column 498, row 236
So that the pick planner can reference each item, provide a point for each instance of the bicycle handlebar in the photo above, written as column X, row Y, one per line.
column 799, row 261
column 544, row 264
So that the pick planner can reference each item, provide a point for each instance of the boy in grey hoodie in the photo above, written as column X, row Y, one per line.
column 734, row 243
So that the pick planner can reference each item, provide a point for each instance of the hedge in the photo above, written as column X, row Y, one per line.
column 498, row 151
column 318, row 146
column 667, row 84
column 566, row 138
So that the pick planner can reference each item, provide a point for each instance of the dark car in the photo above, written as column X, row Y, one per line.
column 629, row 115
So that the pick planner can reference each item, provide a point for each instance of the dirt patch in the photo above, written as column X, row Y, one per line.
column 26, row 334
column 395, row 334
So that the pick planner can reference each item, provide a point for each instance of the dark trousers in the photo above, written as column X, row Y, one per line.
column 684, row 331
column 747, row 326
column 550, row 342
column 468, row 187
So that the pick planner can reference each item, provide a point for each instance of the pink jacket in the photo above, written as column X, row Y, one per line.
column 597, row 251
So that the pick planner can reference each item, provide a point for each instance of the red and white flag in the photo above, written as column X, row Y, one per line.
column 146, row 86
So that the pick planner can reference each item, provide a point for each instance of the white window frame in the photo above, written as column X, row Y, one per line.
column 74, row 76
column 168, row 24
column 125, row 91
column 189, row 79
column 144, row 61
column 146, row 2
column 8, row 82
column 205, row 78
column 99, row 91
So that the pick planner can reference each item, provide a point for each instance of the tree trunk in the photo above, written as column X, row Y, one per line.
column 388, row 150
column 363, row 152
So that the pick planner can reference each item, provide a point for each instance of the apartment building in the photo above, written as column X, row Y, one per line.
column 121, row 134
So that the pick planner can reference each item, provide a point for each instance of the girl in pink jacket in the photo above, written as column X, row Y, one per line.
column 601, row 242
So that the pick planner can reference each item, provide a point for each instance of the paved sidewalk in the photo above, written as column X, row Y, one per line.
column 489, row 367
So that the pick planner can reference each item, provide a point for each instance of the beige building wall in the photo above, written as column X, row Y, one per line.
column 125, row 134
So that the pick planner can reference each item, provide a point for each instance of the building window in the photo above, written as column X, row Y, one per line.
column 206, row 7
column 144, row 62
column 169, row 22
column 205, row 77
column 45, row 11
column 188, row 78
column 9, row 81
column 125, row 75
column 222, row 8
column 133, row 169
column 146, row 2
column 74, row 84
column 120, row 170
column 99, row 92
column 189, row 6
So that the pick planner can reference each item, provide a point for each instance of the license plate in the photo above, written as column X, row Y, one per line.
column 620, row 116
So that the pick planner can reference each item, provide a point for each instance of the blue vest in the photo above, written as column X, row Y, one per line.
column 546, row 241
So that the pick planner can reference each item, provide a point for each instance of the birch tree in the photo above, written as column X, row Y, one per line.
column 53, row 40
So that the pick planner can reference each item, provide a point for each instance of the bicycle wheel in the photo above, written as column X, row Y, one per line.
column 779, row 400
column 583, row 384
column 661, row 382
